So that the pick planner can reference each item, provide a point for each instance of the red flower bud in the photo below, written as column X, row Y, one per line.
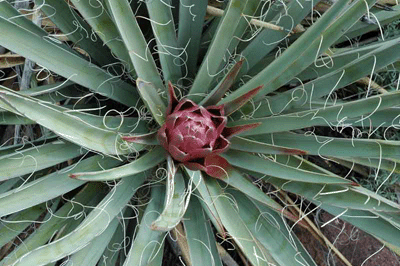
column 194, row 135
column 193, row 132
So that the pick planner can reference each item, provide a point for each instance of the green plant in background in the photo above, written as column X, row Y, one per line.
column 100, row 199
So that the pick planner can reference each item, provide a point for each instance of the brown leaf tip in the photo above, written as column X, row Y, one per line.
column 294, row 151
column 129, row 138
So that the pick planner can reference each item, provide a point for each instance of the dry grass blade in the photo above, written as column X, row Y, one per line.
column 11, row 60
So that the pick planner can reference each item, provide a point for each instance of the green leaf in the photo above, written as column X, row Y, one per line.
column 353, row 197
column 135, row 42
column 93, row 225
column 8, row 184
column 316, row 40
column 47, row 89
column 102, row 23
column 243, row 144
column 364, row 200
column 152, row 100
column 158, row 259
column 91, row 254
column 330, row 146
column 176, row 200
column 206, row 199
column 244, row 185
column 244, row 27
column 147, row 161
column 211, row 65
column 8, row 118
column 223, row 86
column 49, row 186
column 232, row 106
column 382, row 16
column 5, row 150
column 8, row 12
column 325, row 85
column 339, row 58
column 16, row 223
column 110, row 255
column 52, row 93
column 64, row 62
column 28, row 161
column 271, row 218
column 336, row 115
column 282, row 249
column 268, row 39
column 147, row 242
column 148, row 139
column 200, row 236
column 382, row 164
column 191, row 18
column 381, row 118
column 61, row 14
column 390, row 217
column 269, row 167
column 163, row 27
column 57, row 221
column 64, row 123
column 237, row 227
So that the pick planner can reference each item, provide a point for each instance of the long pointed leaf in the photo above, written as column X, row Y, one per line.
column 29, row 160
column 206, row 200
column 268, row 39
column 64, row 62
column 243, row 144
column 147, row 161
column 386, row 54
column 367, row 222
column 335, row 195
column 267, row 231
column 200, row 237
column 57, row 221
column 17, row 222
column 163, row 26
column 191, row 17
column 91, row 254
column 219, row 91
column 135, row 42
column 237, row 227
column 313, row 42
column 329, row 146
column 176, row 201
column 152, row 100
column 93, row 225
column 222, row 38
column 102, row 23
column 273, row 219
column 60, row 13
column 63, row 123
column 238, row 181
column 269, row 167
column 147, row 242
column 49, row 186
column 336, row 115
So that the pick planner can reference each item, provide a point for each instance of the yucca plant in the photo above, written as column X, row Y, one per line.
column 151, row 119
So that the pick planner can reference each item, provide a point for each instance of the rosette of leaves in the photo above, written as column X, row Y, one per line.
column 100, row 199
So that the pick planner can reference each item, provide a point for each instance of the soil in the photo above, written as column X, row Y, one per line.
column 359, row 248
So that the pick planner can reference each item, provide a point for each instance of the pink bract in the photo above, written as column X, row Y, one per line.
column 192, row 132
column 194, row 135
